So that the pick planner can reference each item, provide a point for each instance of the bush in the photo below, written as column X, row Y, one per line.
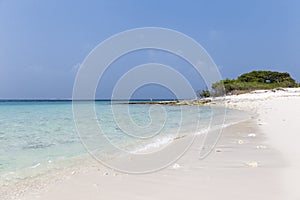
column 255, row 80
column 266, row 77
column 204, row 94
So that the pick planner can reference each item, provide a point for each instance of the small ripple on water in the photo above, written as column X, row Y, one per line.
column 67, row 141
column 37, row 146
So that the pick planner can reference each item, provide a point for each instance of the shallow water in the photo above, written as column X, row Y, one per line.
column 34, row 135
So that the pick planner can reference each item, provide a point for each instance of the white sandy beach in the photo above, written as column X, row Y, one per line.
column 255, row 159
column 149, row 100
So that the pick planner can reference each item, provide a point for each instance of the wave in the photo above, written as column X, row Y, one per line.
column 35, row 166
column 159, row 142
column 154, row 145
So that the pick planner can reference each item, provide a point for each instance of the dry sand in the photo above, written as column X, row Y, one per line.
column 255, row 159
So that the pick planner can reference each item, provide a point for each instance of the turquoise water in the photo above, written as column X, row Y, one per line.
column 34, row 134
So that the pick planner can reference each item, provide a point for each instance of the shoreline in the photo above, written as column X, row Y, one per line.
column 28, row 188
column 224, row 163
column 66, row 168
column 248, row 162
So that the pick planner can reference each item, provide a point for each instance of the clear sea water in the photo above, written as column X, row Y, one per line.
column 37, row 134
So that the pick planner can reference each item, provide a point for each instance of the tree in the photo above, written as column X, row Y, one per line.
column 254, row 80
column 267, row 77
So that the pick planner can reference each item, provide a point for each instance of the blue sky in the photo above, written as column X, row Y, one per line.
column 42, row 43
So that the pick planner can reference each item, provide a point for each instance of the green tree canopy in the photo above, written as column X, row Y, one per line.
column 266, row 77
column 255, row 80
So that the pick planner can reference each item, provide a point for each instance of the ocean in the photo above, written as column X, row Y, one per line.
column 35, row 135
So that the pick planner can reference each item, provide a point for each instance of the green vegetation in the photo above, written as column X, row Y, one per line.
column 204, row 94
column 254, row 80
column 268, row 78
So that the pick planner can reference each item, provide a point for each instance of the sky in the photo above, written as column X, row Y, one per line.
column 43, row 43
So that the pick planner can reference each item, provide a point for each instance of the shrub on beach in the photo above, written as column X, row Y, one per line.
column 255, row 80
column 204, row 94
column 266, row 77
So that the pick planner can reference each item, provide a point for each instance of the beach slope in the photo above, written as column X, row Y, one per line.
column 255, row 159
